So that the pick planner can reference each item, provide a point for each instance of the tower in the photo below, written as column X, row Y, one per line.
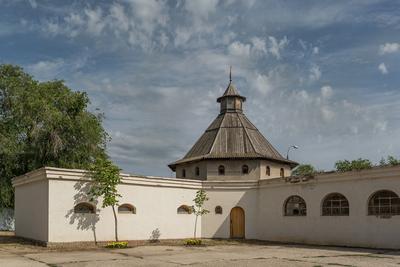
column 232, row 148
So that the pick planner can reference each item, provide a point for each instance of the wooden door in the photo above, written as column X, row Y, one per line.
column 237, row 223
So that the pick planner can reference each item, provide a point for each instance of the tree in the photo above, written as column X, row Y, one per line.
column 391, row 161
column 43, row 124
column 105, row 179
column 304, row 170
column 358, row 164
column 198, row 209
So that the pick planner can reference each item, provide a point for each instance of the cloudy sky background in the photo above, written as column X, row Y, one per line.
column 324, row 75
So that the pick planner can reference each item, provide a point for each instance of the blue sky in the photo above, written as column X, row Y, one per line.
column 323, row 75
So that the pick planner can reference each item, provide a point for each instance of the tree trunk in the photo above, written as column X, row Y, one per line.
column 195, row 227
column 115, row 223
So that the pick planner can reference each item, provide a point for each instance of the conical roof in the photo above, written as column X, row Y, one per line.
column 232, row 136
column 231, row 91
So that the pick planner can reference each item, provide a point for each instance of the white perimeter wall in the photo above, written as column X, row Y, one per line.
column 357, row 229
column 31, row 208
column 157, row 200
column 156, row 214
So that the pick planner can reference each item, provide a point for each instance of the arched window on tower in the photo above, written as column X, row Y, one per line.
column 384, row 203
column 295, row 206
column 245, row 169
column 282, row 173
column 221, row 170
column 197, row 171
column 218, row 210
column 268, row 171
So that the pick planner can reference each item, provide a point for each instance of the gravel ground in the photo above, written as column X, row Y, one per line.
column 17, row 252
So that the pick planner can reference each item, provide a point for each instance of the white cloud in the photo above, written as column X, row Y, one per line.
column 95, row 20
column 259, row 45
column 316, row 50
column 315, row 73
column 150, row 13
column 33, row 3
column 389, row 48
column 326, row 92
column 239, row 49
column 119, row 19
column 46, row 70
column 262, row 83
column 201, row 8
column 276, row 46
column 382, row 68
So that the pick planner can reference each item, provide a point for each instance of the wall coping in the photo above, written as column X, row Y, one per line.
column 51, row 173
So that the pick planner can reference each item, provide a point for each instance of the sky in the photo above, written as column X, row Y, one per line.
column 322, row 75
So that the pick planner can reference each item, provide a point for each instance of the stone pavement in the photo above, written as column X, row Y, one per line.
column 230, row 254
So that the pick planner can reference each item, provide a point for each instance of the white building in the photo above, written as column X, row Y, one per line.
column 251, row 195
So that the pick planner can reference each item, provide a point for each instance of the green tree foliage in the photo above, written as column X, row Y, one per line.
column 358, row 164
column 304, row 170
column 390, row 161
column 105, row 177
column 198, row 208
column 43, row 124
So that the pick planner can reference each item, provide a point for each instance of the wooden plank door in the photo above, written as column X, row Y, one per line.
column 237, row 223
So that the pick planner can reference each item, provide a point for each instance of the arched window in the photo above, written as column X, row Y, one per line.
column 197, row 171
column 384, row 202
column 245, row 169
column 282, row 173
column 335, row 204
column 221, row 170
column 183, row 173
column 295, row 206
column 184, row 209
column 127, row 209
column 84, row 208
column 268, row 171
column 218, row 210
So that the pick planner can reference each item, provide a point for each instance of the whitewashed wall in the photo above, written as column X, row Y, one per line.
column 156, row 201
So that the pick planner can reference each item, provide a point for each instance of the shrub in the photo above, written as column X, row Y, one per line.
column 117, row 245
column 193, row 242
column 304, row 170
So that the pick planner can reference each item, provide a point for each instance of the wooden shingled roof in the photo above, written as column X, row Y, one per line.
column 232, row 136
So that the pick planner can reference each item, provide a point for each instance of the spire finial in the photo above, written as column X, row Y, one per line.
column 230, row 74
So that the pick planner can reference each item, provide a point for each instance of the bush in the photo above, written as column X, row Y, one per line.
column 193, row 242
column 304, row 170
column 117, row 245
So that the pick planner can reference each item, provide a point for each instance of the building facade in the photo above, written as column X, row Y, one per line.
column 251, row 195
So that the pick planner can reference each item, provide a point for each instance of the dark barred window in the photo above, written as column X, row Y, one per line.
column 335, row 204
column 218, row 210
column 385, row 203
column 127, row 209
column 221, row 170
column 184, row 209
column 245, row 169
column 84, row 208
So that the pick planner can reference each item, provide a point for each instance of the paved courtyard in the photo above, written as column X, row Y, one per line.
column 14, row 253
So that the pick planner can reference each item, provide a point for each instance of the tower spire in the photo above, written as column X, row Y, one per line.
column 230, row 74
